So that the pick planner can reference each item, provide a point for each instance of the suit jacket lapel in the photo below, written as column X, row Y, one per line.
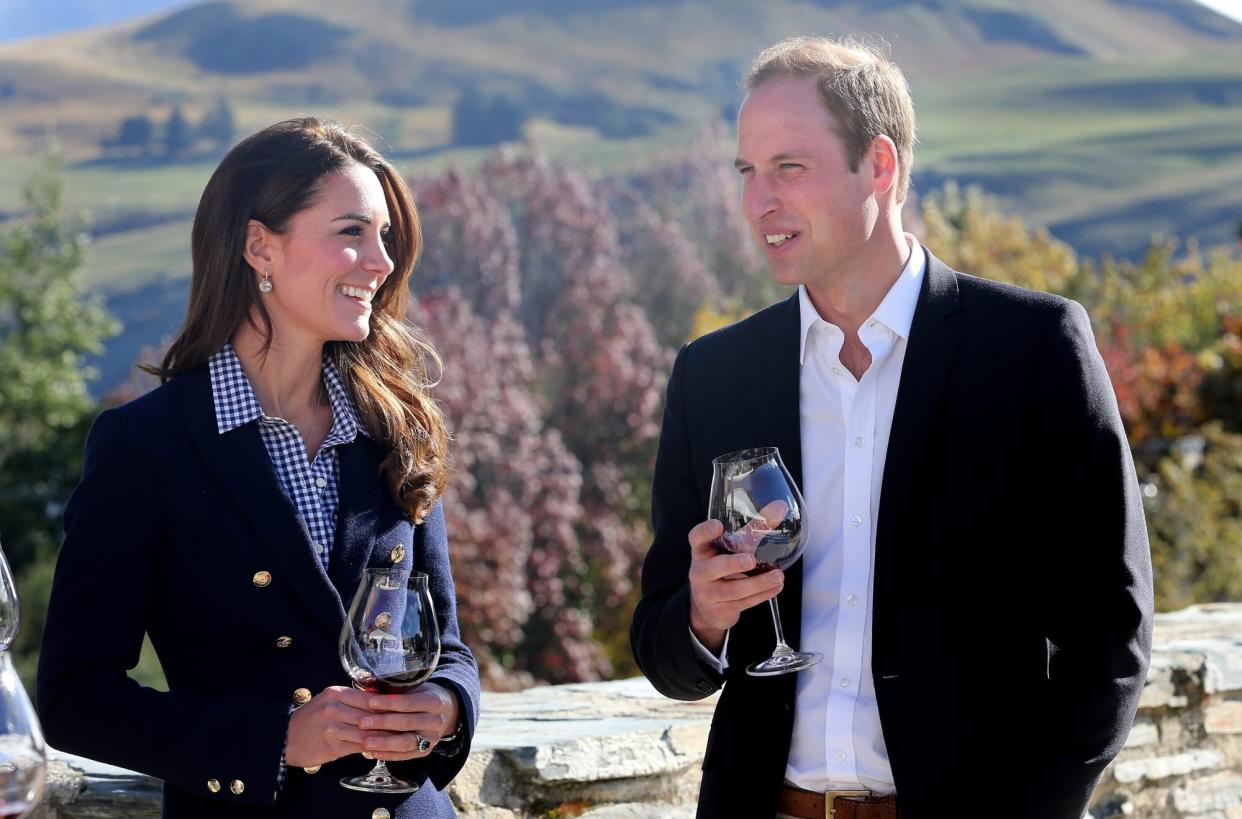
column 778, row 417
column 240, row 461
column 934, row 338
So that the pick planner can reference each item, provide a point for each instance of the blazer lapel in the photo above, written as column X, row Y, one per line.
column 934, row 339
column 778, row 417
column 363, row 502
column 240, row 461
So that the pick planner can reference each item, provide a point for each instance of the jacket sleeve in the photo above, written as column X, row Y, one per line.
column 660, row 631
column 1095, row 567
column 102, row 596
column 457, row 668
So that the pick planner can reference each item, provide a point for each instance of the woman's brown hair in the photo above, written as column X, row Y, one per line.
column 269, row 177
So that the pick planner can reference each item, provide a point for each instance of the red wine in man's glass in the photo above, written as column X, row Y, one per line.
column 390, row 643
column 764, row 515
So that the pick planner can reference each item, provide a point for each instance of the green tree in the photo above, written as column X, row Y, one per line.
column 135, row 132
column 1194, row 517
column 218, row 125
column 486, row 120
column 48, row 326
column 178, row 135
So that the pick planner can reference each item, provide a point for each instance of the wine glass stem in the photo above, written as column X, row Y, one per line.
column 781, row 646
column 380, row 769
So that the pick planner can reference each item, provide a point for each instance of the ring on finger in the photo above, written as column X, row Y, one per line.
column 424, row 744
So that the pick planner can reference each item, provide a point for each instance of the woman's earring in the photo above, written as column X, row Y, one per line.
column 265, row 286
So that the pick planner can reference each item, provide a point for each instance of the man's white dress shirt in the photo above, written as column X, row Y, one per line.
column 837, row 740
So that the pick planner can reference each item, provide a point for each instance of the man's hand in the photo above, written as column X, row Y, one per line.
column 719, row 589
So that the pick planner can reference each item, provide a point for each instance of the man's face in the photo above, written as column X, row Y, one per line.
column 810, row 213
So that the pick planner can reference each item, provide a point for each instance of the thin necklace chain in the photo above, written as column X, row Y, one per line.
column 315, row 424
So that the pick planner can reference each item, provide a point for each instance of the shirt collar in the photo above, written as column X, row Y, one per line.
column 896, row 311
column 346, row 425
column 236, row 403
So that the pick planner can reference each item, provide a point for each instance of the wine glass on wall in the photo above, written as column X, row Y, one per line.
column 23, row 756
column 10, row 605
column 389, row 644
column 764, row 515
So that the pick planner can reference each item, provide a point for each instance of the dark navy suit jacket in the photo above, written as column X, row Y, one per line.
column 1012, row 583
column 165, row 535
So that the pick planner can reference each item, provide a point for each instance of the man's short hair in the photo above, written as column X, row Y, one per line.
column 864, row 91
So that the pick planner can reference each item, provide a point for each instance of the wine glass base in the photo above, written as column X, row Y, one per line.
column 378, row 784
column 784, row 663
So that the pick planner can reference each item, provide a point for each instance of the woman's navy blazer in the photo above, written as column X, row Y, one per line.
column 184, row 534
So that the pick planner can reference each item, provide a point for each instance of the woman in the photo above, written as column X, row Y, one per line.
column 231, row 512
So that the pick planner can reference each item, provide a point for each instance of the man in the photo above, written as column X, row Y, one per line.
column 978, row 578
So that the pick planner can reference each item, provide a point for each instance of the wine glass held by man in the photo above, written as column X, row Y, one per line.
column 763, row 516
column 228, row 514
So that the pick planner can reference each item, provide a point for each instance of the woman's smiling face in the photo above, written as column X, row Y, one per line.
column 330, row 261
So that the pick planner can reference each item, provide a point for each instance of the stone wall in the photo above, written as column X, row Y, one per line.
column 1184, row 755
column 618, row 750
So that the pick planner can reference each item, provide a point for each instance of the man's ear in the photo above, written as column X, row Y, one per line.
column 885, row 165
column 261, row 250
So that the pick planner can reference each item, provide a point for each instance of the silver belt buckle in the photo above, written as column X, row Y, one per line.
column 831, row 797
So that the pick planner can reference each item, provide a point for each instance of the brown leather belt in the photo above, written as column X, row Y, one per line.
column 837, row 804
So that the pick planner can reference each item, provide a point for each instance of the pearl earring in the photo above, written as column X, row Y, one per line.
column 265, row 286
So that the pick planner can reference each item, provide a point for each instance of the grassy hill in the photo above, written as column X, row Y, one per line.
column 1109, row 121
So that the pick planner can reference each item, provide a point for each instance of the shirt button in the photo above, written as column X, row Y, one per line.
column 840, row 756
column 852, row 600
column 836, row 370
column 318, row 548
column 858, row 440
column 856, row 520
column 845, row 682
column 320, row 482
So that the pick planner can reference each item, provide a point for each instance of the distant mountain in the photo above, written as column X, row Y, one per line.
column 1067, row 109
column 37, row 18
column 1108, row 121
column 25, row 18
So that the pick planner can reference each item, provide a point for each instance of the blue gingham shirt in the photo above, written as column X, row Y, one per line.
column 313, row 486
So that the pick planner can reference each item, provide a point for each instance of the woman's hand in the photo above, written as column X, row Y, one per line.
column 327, row 727
column 395, row 723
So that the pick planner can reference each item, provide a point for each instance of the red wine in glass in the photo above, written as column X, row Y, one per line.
column 391, row 684
column 390, row 643
column 772, row 551
column 763, row 515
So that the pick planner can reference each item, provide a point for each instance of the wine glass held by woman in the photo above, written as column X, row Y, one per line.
column 232, row 513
